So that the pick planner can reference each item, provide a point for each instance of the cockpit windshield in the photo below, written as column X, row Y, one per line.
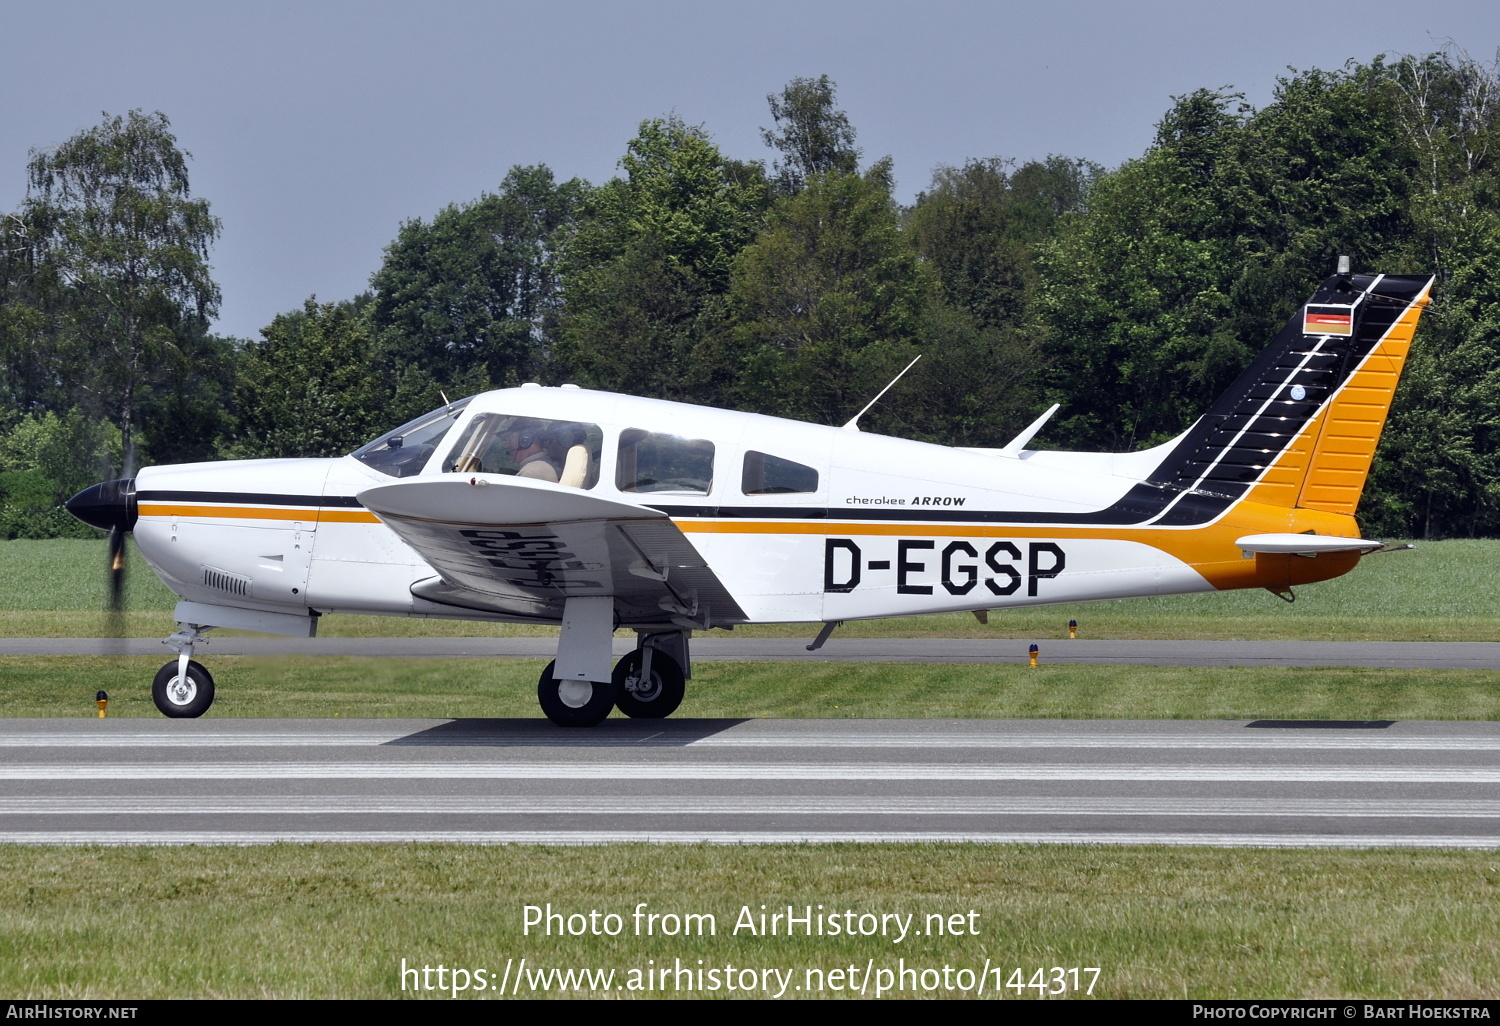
column 406, row 450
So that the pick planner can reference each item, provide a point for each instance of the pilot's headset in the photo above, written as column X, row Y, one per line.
column 527, row 432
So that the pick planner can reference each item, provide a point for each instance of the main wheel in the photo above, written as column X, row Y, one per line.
column 183, row 699
column 648, row 699
column 574, row 703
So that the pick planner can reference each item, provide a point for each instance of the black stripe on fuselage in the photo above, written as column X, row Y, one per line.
column 250, row 498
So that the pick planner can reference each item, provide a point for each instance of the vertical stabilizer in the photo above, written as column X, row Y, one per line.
column 1300, row 425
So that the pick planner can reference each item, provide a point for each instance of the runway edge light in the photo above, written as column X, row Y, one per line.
column 102, row 701
column 1034, row 652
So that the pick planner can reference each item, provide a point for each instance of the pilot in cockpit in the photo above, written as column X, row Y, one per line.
column 526, row 442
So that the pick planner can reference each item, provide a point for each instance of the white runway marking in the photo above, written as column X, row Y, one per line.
column 794, row 805
column 745, row 771
column 1358, row 784
column 566, row 837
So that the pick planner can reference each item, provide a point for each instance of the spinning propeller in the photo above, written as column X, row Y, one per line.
column 110, row 506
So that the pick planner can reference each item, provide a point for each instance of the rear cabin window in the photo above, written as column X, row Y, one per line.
column 651, row 461
column 562, row 451
column 765, row 474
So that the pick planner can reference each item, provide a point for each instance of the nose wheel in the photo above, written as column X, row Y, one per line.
column 183, row 696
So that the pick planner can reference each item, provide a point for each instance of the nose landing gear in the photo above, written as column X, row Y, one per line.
column 183, row 695
column 184, row 689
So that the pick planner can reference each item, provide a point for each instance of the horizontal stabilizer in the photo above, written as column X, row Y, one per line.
column 1304, row 544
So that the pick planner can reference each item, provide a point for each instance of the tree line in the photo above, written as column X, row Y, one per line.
column 795, row 286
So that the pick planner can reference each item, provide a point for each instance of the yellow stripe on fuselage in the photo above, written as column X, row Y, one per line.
column 210, row 511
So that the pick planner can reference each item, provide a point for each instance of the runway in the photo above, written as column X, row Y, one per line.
column 1265, row 783
column 1437, row 655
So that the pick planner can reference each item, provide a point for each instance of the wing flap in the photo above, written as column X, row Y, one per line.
column 513, row 545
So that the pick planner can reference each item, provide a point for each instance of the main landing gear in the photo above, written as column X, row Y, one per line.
column 183, row 689
column 643, row 692
column 578, row 689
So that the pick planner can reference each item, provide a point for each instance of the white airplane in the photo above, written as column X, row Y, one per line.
column 596, row 511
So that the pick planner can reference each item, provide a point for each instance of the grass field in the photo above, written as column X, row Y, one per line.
column 1440, row 591
column 336, row 921
column 64, row 686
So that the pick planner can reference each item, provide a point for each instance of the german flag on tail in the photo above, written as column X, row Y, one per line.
column 1327, row 319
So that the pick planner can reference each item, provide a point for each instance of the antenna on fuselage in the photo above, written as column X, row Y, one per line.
column 1015, row 446
column 853, row 424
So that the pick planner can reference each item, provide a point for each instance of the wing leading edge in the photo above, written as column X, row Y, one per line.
column 522, row 547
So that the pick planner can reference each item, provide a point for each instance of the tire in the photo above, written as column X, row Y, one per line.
column 660, row 698
column 568, row 704
column 183, row 702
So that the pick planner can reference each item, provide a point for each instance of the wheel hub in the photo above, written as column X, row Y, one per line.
column 574, row 694
column 182, row 691
column 643, row 690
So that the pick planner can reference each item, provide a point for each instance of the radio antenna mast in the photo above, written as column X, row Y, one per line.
column 853, row 424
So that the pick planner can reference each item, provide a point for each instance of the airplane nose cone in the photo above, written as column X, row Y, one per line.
column 107, row 505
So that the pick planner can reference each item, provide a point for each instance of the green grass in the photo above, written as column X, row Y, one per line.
column 64, row 686
column 331, row 921
column 1441, row 591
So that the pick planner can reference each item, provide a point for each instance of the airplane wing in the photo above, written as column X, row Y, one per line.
column 521, row 546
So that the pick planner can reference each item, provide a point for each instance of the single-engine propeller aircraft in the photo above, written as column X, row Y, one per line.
column 596, row 511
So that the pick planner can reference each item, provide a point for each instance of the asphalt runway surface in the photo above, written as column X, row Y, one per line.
column 1440, row 655
column 1263, row 783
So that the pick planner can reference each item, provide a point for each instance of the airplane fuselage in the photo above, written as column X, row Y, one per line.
column 883, row 526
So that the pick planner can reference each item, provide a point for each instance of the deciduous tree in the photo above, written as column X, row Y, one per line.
column 645, row 272
column 813, row 135
column 476, row 288
column 120, row 250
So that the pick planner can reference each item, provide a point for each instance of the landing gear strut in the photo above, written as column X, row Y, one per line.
column 183, row 689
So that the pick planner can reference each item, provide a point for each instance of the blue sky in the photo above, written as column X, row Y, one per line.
column 316, row 128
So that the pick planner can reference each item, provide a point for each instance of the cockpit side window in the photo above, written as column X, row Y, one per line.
column 652, row 461
column 565, row 452
column 765, row 474
column 406, row 450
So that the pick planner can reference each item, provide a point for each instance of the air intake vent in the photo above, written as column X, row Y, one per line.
column 223, row 580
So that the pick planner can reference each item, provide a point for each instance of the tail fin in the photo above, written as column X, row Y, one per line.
column 1300, row 426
